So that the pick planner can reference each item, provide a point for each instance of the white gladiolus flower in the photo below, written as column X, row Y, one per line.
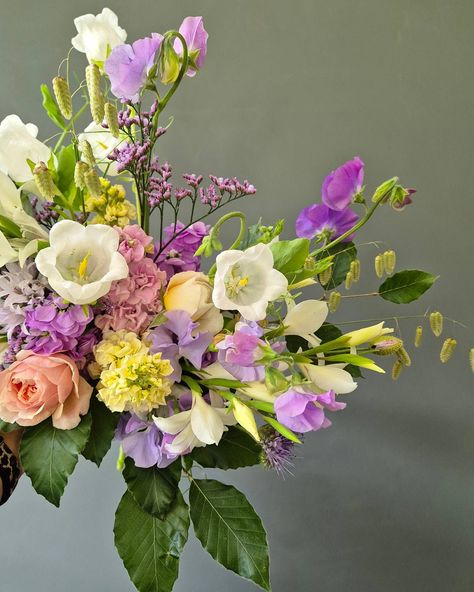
column 329, row 378
column 17, row 144
column 82, row 261
column 203, row 424
column 246, row 281
column 305, row 317
column 102, row 143
column 97, row 35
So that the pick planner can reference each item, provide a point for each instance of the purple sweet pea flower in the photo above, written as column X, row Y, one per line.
column 341, row 186
column 196, row 36
column 304, row 411
column 320, row 221
column 129, row 65
column 176, row 339
column 144, row 442
column 179, row 253
column 239, row 352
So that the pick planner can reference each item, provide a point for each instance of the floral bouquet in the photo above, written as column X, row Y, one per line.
column 109, row 332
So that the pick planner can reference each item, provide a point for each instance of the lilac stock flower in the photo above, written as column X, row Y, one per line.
column 320, row 221
column 179, row 253
column 342, row 185
column 176, row 339
column 238, row 353
column 196, row 36
column 144, row 442
column 304, row 411
column 128, row 66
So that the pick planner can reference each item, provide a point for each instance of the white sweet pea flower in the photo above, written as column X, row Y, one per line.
column 17, row 144
column 102, row 143
column 330, row 377
column 246, row 281
column 82, row 261
column 367, row 334
column 203, row 424
column 97, row 35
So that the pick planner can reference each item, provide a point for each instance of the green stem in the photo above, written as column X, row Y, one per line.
column 216, row 229
column 184, row 66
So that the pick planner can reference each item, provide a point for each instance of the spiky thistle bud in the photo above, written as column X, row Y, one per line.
column 447, row 350
column 80, row 170
column 436, row 323
column 111, row 119
column 471, row 358
column 44, row 181
column 325, row 276
column 355, row 269
column 96, row 97
column 418, row 336
column 349, row 280
column 389, row 261
column 397, row 370
column 92, row 182
column 87, row 154
column 386, row 345
column 403, row 356
column 378, row 263
column 334, row 301
column 63, row 96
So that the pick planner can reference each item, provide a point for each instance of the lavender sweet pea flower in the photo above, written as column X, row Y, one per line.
column 238, row 353
column 341, row 186
column 128, row 66
column 179, row 254
column 196, row 36
column 176, row 339
column 144, row 442
column 304, row 411
column 320, row 221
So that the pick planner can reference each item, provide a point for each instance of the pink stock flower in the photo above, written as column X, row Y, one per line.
column 132, row 317
column 134, row 243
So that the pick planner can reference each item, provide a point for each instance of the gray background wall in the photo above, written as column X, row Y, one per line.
column 384, row 499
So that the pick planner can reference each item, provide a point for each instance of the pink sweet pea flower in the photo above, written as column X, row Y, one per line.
column 196, row 36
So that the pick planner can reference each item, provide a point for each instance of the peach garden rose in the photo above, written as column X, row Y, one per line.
column 37, row 387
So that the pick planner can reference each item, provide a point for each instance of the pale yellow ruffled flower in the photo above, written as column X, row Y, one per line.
column 116, row 345
column 110, row 207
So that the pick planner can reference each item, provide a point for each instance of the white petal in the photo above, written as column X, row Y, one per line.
column 7, row 253
column 206, row 422
column 173, row 424
column 306, row 317
column 184, row 441
column 329, row 378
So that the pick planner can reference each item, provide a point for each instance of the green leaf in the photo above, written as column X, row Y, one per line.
column 6, row 427
column 290, row 256
column 153, row 489
column 51, row 107
column 230, row 530
column 65, row 171
column 102, row 432
column 236, row 449
column 9, row 228
column 328, row 332
column 343, row 253
column 406, row 286
column 150, row 548
column 48, row 456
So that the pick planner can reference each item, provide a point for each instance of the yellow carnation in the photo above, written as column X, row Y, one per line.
column 116, row 345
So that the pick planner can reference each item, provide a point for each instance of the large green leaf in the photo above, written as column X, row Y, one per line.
column 49, row 456
column 8, row 427
column 154, row 489
column 51, row 107
column 236, row 449
column 149, row 547
column 290, row 256
column 102, row 432
column 406, row 286
column 344, row 254
column 230, row 530
column 65, row 171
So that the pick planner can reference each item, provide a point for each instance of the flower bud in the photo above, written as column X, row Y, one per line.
column 96, row 97
column 355, row 269
column 80, row 170
column 92, row 181
column 386, row 345
column 111, row 119
column 471, row 358
column 63, row 96
column 418, row 336
column 334, row 301
column 325, row 276
column 379, row 267
column 436, row 323
column 87, row 153
column 44, row 181
column 447, row 350
column 169, row 63
column 397, row 370
column 389, row 261
column 275, row 380
column 348, row 281
column 403, row 356
column 383, row 191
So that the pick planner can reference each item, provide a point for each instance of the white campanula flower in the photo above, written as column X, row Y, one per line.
column 201, row 425
column 246, row 281
column 102, row 143
column 82, row 261
column 18, row 143
column 98, row 34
